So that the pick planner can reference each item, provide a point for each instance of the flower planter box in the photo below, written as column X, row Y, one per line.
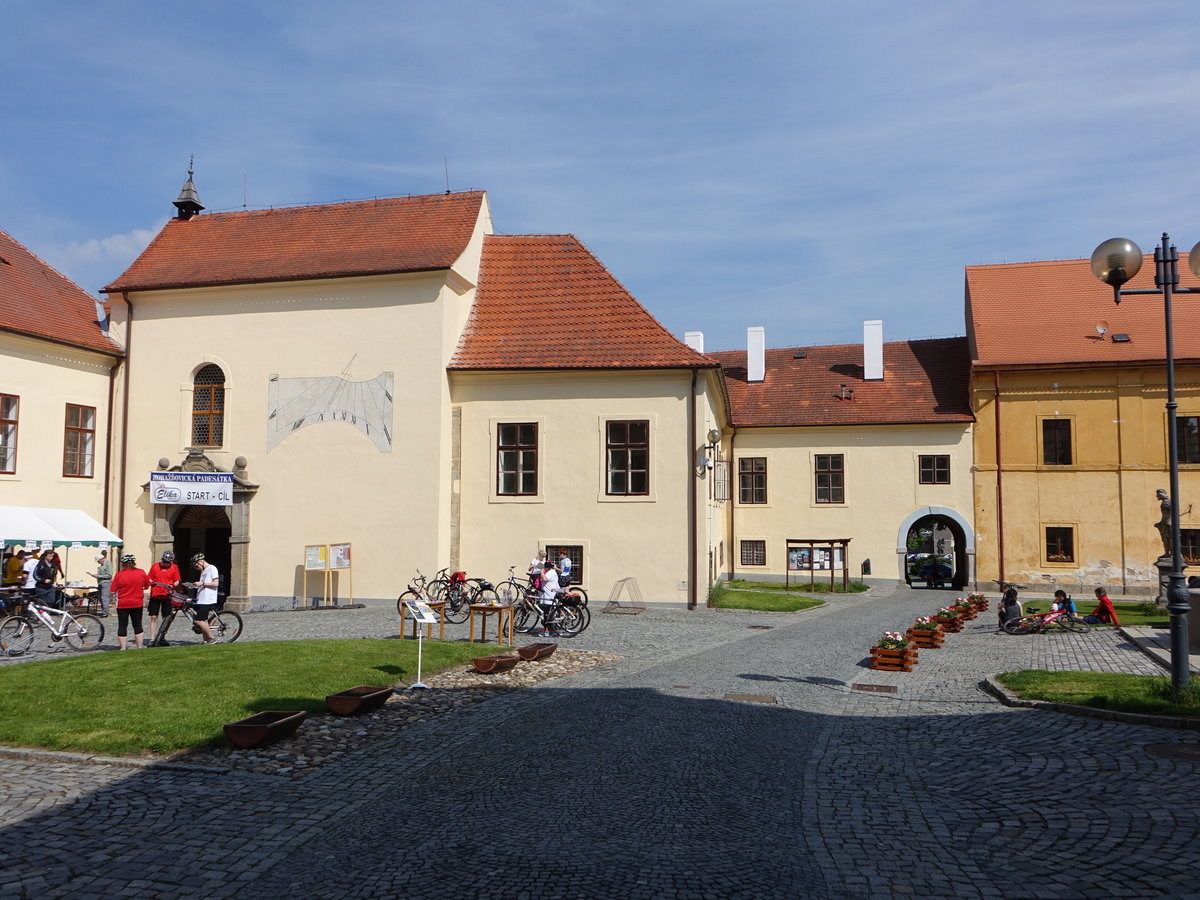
column 363, row 698
column 925, row 639
column 901, row 660
column 532, row 652
column 495, row 665
column 264, row 727
column 951, row 624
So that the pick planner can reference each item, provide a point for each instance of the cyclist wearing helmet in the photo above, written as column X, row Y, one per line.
column 206, row 595
column 162, row 573
column 130, row 587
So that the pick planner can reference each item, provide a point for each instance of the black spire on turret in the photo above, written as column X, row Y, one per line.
column 188, row 201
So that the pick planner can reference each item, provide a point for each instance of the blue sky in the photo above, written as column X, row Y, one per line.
column 797, row 165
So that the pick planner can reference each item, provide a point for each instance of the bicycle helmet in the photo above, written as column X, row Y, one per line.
column 168, row 556
column 197, row 558
column 128, row 560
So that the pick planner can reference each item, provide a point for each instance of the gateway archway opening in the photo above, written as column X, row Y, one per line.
column 936, row 554
column 203, row 529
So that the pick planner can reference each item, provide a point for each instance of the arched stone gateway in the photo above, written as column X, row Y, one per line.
column 963, row 538
column 221, row 532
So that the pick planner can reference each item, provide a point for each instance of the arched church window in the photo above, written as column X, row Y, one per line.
column 208, row 407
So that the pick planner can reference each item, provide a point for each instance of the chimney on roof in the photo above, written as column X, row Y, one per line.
column 695, row 340
column 187, row 203
column 873, row 350
column 756, row 353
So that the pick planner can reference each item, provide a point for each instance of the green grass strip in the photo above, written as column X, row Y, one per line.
column 1149, row 694
column 161, row 700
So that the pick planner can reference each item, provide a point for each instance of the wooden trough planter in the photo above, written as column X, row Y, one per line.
column 924, row 639
column 264, row 727
column 531, row 652
column 901, row 660
column 495, row 665
column 361, row 699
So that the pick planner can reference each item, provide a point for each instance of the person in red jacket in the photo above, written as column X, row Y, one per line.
column 130, row 587
column 162, row 573
column 1104, row 612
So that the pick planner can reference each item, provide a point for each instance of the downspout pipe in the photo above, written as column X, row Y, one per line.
column 999, row 482
column 108, row 430
column 693, row 487
column 125, row 415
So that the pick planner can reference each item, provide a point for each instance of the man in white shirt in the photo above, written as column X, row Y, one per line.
column 206, row 595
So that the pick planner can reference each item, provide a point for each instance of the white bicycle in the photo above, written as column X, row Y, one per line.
column 19, row 633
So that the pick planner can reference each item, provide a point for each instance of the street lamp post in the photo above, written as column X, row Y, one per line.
column 1115, row 262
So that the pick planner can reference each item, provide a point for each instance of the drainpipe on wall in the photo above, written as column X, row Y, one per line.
column 999, row 484
column 729, row 487
column 108, row 454
column 125, row 415
column 693, row 487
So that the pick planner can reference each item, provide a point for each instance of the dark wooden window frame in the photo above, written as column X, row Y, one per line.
column 753, row 553
column 933, row 468
column 79, row 442
column 624, row 446
column 575, row 552
column 517, row 459
column 752, row 480
column 9, row 425
column 829, row 470
column 1187, row 436
column 1189, row 541
column 208, row 407
column 1060, row 543
column 1057, row 449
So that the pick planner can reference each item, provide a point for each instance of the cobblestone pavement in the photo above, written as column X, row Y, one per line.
column 642, row 779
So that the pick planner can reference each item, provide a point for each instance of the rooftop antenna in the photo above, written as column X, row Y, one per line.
column 446, row 167
column 244, row 177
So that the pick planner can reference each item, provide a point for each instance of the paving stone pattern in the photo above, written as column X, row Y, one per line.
column 639, row 779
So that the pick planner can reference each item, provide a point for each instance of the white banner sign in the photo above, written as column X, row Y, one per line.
column 192, row 488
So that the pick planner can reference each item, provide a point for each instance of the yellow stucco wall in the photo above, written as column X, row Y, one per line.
column 644, row 537
column 1107, row 495
column 46, row 377
column 881, row 490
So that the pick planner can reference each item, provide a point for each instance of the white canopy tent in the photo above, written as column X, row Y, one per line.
column 31, row 526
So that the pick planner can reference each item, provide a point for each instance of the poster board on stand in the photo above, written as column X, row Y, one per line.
column 316, row 559
column 339, row 561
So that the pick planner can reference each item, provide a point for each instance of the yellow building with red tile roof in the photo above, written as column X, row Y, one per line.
column 56, row 392
column 392, row 375
column 1069, row 392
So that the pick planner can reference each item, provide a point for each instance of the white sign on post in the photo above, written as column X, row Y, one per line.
column 421, row 612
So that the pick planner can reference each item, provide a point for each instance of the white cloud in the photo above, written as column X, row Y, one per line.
column 97, row 261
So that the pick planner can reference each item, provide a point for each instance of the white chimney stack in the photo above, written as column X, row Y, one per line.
column 695, row 340
column 873, row 350
column 756, row 353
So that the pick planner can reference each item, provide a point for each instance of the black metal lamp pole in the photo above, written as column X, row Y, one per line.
column 1115, row 262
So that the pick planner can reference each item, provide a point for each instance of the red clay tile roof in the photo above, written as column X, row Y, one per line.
column 371, row 237
column 545, row 302
column 925, row 382
column 1040, row 313
column 39, row 301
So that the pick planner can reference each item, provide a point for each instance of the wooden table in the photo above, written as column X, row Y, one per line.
column 440, row 606
column 483, row 610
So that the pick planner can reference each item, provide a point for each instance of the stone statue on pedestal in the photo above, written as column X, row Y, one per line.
column 1164, row 522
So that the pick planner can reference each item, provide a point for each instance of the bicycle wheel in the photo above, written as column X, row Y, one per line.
column 1075, row 624
column 525, row 615
column 508, row 592
column 485, row 595
column 16, row 636
column 85, row 633
column 226, row 625
column 575, row 589
column 404, row 598
column 1016, row 626
column 568, row 621
column 585, row 618
column 458, row 606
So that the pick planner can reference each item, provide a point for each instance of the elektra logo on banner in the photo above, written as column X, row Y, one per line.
column 192, row 488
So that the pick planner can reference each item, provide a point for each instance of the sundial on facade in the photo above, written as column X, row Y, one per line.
column 295, row 403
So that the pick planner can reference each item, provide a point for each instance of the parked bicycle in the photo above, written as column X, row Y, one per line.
column 226, row 625
column 417, row 590
column 20, row 633
column 1033, row 622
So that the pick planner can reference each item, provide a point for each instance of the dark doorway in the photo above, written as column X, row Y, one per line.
column 937, row 553
column 203, row 529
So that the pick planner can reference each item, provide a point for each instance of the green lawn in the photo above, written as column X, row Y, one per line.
column 723, row 598
column 163, row 700
column 1104, row 690
column 818, row 587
